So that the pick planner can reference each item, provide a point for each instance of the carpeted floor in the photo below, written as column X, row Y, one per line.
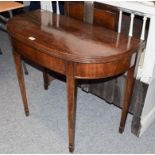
column 45, row 130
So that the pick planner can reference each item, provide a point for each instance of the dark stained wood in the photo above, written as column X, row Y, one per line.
column 46, row 79
column 25, row 69
column 74, row 9
column 102, row 15
column 105, row 15
column 108, row 69
column 1, row 52
column 127, row 97
column 71, row 96
column 74, row 49
column 18, row 63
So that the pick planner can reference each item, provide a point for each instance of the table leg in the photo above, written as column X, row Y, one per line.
column 127, row 97
column 71, row 90
column 47, row 78
column 1, row 52
column 18, row 63
column 25, row 68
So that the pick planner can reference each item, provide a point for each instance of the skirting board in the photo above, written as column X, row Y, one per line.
column 146, row 121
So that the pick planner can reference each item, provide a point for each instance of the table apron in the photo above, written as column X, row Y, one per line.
column 40, row 58
column 102, row 70
column 81, row 70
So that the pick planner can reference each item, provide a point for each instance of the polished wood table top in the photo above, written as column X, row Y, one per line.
column 9, row 5
column 74, row 49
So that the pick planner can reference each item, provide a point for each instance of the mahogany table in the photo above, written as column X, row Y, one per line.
column 74, row 49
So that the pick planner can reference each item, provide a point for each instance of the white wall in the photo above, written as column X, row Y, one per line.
column 26, row 3
column 148, row 113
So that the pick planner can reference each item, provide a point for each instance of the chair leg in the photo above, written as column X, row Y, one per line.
column 25, row 68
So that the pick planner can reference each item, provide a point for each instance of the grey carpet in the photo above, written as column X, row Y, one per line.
column 45, row 130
